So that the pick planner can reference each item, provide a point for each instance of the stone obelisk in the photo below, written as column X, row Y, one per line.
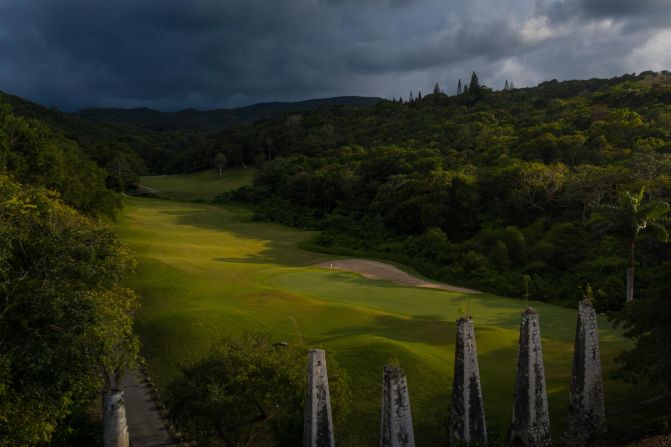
column 467, row 423
column 396, row 421
column 586, row 412
column 531, row 418
column 318, row 422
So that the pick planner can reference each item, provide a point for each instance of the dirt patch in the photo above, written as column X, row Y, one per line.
column 380, row 270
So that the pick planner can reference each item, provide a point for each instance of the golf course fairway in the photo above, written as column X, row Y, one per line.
column 203, row 185
column 205, row 271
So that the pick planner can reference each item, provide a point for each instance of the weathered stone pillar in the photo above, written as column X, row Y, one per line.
column 467, row 424
column 531, row 418
column 586, row 412
column 396, row 422
column 318, row 425
column 115, row 426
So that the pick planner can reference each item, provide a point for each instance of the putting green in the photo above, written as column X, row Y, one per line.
column 205, row 271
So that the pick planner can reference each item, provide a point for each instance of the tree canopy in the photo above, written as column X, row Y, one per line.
column 36, row 155
column 65, row 319
column 249, row 388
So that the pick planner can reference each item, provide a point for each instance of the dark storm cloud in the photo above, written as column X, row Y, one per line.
column 620, row 9
column 173, row 54
column 163, row 52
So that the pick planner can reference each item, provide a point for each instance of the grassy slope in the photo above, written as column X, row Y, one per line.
column 200, row 185
column 205, row 271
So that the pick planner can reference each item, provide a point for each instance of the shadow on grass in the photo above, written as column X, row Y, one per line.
column 556, row 323
column 279, row 242
column 428, row 329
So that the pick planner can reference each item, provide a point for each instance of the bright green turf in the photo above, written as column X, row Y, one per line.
column 204, row 185
column 206, row 270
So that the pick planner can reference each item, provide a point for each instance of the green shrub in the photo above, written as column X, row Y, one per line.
column 498, row 256
column 543, row 251
column 250, row 387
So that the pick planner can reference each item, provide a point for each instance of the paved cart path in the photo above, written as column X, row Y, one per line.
column 380, row 270
column 145, row 426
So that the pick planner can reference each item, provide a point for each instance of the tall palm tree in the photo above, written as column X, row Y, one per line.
column 628, row 219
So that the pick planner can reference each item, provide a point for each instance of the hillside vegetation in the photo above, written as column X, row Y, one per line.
column 495, row 190
column 210, row 121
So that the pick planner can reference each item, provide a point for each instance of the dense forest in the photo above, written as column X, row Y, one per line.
column 496, row 190
column 125, row 141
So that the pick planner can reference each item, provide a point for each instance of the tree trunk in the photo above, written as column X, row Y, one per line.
column 630, row 273
column 115, row 427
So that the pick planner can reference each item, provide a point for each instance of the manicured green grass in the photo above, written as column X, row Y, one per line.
column 205, row 185
column 206, row 271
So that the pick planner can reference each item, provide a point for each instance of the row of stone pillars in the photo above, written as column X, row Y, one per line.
column 531, row 418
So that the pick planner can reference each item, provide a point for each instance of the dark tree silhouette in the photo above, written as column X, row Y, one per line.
column 474, row 85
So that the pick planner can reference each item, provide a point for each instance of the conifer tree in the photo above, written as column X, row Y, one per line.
column 436, row 89
column 419, row 95
column 459, row 89
column 411, row 98
column 506, row 86
column 474, row 86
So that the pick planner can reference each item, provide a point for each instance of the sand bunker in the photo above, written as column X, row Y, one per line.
column 380, row 270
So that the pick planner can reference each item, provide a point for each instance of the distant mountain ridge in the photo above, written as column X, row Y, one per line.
column 86, row 132
column 212, row 120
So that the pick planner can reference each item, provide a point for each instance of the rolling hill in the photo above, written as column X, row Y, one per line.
column 191, row 120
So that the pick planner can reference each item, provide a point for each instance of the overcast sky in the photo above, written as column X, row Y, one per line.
column 175, row 54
